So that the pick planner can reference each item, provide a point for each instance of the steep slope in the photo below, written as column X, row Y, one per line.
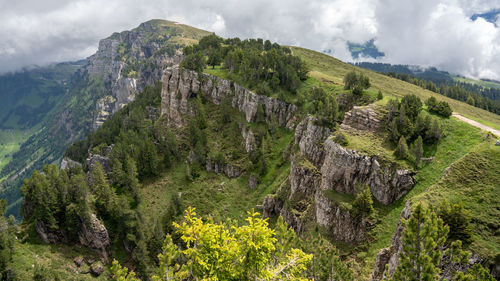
column 218, row 143
column 123, row 65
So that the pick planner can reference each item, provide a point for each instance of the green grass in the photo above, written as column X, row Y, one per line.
column 10, row 141
column 334, row 70
column 474, row 180
column 486, row 84
column 57, row 258
column 459, row 140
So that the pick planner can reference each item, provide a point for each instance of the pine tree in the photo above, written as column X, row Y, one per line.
column 363, row 204
column 423, row 238
column 402, row 149
column 105, row 198
column 419, row 150
column 380, row 95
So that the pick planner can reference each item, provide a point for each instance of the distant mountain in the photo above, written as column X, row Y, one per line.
column 49, row 108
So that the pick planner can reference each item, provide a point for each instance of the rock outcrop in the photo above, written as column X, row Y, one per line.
column 124, row 78
column 179, row 86
column 249, row 139
column 67, row 163
column 103, row 160
column 310, row 139
column 94, row 235
column 339, row 221
column 361, row 118
column 343, row 170
column 229, row 170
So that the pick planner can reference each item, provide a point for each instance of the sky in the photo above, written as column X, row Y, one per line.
column 436, row 33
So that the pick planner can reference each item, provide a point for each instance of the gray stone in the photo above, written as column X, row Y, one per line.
column 94, row 235
column 67, row 163
column 96, row 269
column 310, row 138
column 252, row 182
column 179, row 87
column 343, row 170
column 362, row 118
column 78, row 261
column 231, row 171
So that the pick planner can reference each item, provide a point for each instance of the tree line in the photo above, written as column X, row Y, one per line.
column 259, row 64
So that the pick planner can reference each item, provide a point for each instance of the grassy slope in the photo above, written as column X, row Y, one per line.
column 474, row 180
column 329, row 68
column 487, row 84
column 460, row 139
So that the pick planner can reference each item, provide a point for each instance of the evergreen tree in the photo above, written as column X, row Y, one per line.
column 380, row 96
column 423, row 238
column 402, row 149
column 419, row 150
column 105, row 197
column 363, row 204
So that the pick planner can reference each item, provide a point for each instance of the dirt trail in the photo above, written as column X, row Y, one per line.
column 476, row 124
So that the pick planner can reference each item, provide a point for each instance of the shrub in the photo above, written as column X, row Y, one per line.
column 341, row 139
column 458, row 219
column 441, row 108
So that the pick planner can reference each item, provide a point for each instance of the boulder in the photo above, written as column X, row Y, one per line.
column 253, row 182
column 78, row 261
column 96, row 269
column 94, row 235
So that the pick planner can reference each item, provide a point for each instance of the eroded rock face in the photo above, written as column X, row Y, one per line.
column 94, row 235
column 310, row 139
column 229, row 170
column 179, row 86
column 120, row 87
column 49, row 236
column 67, row 163
column 344, row 169
column 361, row 118
column 338, row 220
column 304, row 180
column 249, row 139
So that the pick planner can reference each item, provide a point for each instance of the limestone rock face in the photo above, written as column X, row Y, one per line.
column 361, row 118
column 179, row 87
column 67, row 163
column 94, row 235
column 249, row 139
column 304, row 180
column 93, row 159
column 120, row 87
column 229, row 170
column 343, row 169
column 49, row 236
column 339, row 221
column 310, row 138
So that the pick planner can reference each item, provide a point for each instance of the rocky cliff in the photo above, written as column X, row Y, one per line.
column 180, row 85
column 362, row 118
column 344, row 170
column 127, row 62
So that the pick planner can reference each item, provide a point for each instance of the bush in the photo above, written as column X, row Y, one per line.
column 441, row 108
column 458, row 219
column 341, row 139
column 379, row 95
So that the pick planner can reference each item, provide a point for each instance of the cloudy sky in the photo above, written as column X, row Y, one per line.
column 422, row 32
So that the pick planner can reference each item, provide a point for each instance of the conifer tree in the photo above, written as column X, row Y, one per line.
column 363, row 204
column 423, row 238
column 402, row 149
column 419, row 150
column 105, row 198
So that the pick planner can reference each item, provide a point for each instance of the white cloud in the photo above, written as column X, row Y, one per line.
column 424, row 32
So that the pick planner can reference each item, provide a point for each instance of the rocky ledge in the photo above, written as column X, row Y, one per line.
column 362, row 118
column 344, row 170
column 180, row 85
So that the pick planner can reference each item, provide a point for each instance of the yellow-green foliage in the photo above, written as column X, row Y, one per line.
column 218, row 251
